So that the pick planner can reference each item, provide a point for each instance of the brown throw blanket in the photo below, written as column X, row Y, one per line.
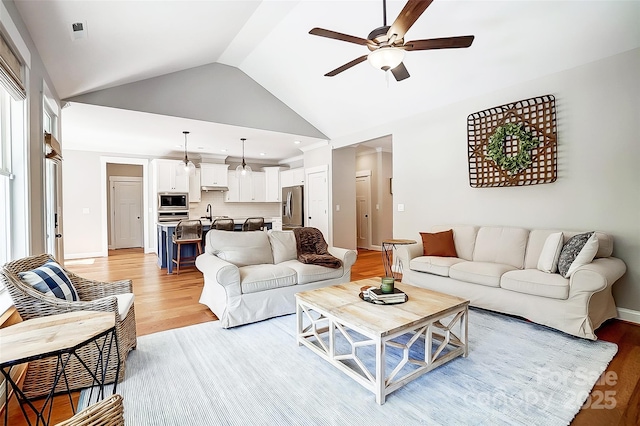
column 312, row 248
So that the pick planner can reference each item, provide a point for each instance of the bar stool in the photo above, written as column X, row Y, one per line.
column 253, row 224
column 187, row 232
column 223, row 224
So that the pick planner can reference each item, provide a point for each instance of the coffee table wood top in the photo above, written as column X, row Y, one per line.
column 52, row 333
column 342, row 301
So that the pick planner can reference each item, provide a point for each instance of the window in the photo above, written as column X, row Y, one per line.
column 5, row 188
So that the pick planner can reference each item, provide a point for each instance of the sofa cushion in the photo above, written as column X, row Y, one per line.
column 255, row 278
column 434, row 264
column 283, row 245
column 578, row 251
column 484, row 273
column 548, row 261
column 537, row 238
column 501, row 245
column 438, row 244
column 464, row 238
column 533, row 281
column 308, row 273
column 240, row 248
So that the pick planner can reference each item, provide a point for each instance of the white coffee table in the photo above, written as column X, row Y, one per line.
column 327, row 312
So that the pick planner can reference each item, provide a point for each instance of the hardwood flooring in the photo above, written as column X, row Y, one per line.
column 165, row 302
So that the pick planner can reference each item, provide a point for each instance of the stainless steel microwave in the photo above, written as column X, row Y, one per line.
column 170, row 201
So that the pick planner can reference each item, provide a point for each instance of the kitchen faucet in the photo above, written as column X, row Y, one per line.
column 209, row 212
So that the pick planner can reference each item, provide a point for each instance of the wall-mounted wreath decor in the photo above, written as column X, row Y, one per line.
column 513, row 144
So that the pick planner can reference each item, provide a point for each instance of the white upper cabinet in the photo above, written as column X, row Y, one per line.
column 250, row 189
column 258, row 193
column 292, row 177
column 214, row 174
column 170, row 176
column 194, row 187
column 272, row 185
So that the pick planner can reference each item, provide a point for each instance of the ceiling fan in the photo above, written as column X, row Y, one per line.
column 387, row 45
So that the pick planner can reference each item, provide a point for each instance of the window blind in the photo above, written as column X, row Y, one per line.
column 11, row 71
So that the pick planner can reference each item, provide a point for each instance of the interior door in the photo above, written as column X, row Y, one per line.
column 363, row 211
column 126, row 213
column 318, row 204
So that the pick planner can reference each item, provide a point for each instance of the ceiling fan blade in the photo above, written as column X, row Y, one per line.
column 338, row 36
column 346, row 66
column 439, row 43
column 407, row 17
column 400, row 72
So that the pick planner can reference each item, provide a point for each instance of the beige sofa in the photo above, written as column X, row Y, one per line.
column 252, row 276
column 496, row 269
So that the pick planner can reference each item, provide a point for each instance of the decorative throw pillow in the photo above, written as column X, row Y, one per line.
column 579, row 250
column 438, row 244
column 51, row 280
column 548, row 260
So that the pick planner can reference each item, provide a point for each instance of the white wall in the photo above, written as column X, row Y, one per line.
column 598, row 186
column 82, row 214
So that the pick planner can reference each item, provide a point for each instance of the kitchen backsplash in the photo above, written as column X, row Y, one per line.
column 220, row 208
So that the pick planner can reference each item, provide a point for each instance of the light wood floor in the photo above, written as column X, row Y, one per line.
column 165, row 302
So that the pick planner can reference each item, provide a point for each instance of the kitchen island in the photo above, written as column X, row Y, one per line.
column 166, row 248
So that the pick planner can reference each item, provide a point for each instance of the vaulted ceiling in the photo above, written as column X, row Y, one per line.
column 128, row 41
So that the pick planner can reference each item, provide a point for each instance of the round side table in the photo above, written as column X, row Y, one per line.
column 393, row 268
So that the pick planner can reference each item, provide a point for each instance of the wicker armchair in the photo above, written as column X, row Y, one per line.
column 108, row 412
column 94, row 296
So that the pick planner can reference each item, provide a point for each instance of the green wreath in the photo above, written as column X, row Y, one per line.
column 495, row 148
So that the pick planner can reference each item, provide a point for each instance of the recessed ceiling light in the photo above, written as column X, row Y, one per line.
column 263, row 154
column 201, row 147
column 223, row 150
column 178, row 146
column 296, row 142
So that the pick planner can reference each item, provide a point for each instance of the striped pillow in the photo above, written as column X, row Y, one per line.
column 51, row 280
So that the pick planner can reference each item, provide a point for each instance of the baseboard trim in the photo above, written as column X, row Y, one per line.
column 629, row 315
column 84, row 255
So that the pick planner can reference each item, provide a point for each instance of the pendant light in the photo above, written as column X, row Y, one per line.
column 189, row 167
column 243, row 170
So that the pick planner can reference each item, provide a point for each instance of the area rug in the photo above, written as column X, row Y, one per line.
column 517, row 373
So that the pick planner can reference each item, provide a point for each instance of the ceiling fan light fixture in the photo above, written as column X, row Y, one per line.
column 386, row 58
column 189, row 167
column 243, row 170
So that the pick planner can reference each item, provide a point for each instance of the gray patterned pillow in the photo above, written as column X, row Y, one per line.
column 570, row 251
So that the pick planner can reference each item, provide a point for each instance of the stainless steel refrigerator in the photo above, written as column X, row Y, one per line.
column 292, row 207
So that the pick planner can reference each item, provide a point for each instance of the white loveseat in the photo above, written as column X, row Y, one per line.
column 496, row 269
column 252, row 276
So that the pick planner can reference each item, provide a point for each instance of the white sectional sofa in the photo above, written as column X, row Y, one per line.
column 496, row 269
column 252, row 276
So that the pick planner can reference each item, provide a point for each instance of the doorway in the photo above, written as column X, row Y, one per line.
column 363, row 209
column 125, row 167
column 126, row 212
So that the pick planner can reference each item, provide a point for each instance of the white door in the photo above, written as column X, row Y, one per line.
column 318, row 202
column 126, row 210
column 363, row 211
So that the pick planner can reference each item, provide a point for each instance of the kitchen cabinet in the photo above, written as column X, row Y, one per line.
column 170, row 176
column 291, row 177
column 272, row 185
column 246, row 190
column 214, row 175
column 194, row 187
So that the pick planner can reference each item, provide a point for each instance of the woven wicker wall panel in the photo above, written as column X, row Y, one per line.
column 538, row 117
